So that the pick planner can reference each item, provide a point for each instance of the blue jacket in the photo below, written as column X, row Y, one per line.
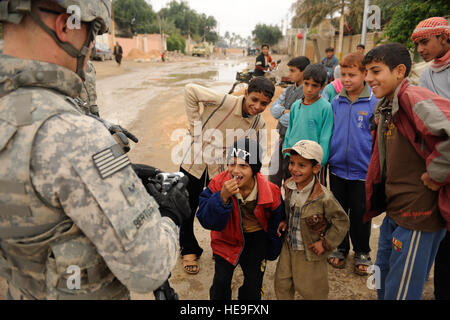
column 351, row 143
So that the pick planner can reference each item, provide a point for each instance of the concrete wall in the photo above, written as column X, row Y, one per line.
column 315, row 48
column 144, row 42
column 350, row 42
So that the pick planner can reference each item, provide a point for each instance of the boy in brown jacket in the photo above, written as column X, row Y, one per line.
column 216, row 121
column 315, row 223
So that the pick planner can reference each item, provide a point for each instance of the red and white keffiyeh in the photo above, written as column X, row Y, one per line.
column 432, row 27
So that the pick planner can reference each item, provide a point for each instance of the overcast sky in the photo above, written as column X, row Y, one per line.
column 238, row 16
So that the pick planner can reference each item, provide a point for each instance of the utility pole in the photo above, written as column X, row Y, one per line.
column 113, row 25
column 305, row 35
column 189, row 39
column 296, row 42
column 162, row 32
column 341, row 31
column 364, row 26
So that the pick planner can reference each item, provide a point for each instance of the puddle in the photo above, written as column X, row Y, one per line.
column 207, row 75
column 223, row 71
column 122, row 97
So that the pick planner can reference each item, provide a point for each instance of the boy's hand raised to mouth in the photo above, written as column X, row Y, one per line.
column 229, row 189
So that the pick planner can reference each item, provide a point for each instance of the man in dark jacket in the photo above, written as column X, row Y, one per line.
column 118, row 52
column 264, row 62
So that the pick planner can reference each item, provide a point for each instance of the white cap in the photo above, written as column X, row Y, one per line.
column 307, row 149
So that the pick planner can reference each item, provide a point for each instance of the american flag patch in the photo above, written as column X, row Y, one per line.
column 110, row 161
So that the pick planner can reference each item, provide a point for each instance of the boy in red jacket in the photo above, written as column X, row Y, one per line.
column 409, row 173
column 243, row 210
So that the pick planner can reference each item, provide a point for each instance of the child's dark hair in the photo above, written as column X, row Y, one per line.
column 299, row 62
column 263, row 85
column 317, row 72
column 391, row 54
column 295, row 153
column 330, row 49
column 361, row 46
column 265, row 45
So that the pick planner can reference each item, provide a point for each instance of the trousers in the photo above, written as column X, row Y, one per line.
column 295, row 274
column 404, row 259
column 442, row 270
column 188, row 241
column 253, row 264
column 351, row 195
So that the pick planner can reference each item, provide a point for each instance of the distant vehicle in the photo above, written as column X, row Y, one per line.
column 252, row 51
column 202, row 50
column 243, row 78
column 101, row 52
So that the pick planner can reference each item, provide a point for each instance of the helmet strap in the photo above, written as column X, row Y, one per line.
column 93, row 30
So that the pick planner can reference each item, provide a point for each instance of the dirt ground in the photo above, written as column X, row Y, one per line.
column 147, row 99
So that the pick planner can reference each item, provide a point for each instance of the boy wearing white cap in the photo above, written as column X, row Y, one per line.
column 315, row 224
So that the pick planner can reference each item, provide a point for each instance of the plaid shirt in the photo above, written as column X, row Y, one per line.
column 298, row 199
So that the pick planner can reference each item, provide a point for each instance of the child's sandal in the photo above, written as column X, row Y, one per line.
column 190, row 265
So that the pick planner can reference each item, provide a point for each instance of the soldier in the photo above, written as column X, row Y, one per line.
column 75, row 220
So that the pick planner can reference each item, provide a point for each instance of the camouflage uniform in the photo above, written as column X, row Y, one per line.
column 68, row 200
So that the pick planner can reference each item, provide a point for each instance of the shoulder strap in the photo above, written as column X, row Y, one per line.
column 215, row 110
column 256, row 122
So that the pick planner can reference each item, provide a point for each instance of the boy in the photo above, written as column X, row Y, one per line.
column 315, row 225
column 431, row 37
column 220, row 113
column 360, row 48
column 330, row 61
column 409, row 173
column 350, row 151
column 243, row 210
column 264, row 62
column 280, row 110
column 332, row 89
column 311, row 118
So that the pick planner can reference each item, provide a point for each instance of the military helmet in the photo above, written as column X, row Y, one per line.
column 88, row 10
column 95, row 12
column 91, row 10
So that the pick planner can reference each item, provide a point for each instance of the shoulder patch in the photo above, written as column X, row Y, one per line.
column 110, row 161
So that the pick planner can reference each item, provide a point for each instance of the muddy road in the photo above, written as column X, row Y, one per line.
column 147, row 98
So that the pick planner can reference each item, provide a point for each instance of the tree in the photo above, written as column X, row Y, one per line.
column 267, row 34
column 408, row 13
column 135, row 16
column 227, row 37
column 176, row 42
column 189, row 22
column 313, row 12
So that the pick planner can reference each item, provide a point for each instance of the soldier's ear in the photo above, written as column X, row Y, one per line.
column 61, row 28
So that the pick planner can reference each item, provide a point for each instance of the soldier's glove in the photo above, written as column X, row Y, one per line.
column 120, row 134
column 175, row 204
column 118, row 129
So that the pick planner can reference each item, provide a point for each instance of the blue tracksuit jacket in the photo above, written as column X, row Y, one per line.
column 351, row 142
